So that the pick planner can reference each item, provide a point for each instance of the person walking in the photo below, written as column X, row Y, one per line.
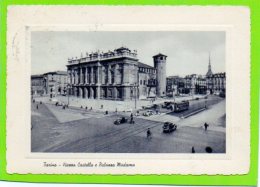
column 37, row 107
column 149, row 134
column 131, row 118
column 206, row 126
column 192, row 150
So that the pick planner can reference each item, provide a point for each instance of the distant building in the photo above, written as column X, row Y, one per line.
column 215, row 83
column 116, row 75
column 190, row 84
column 37, row 85
column 55, row 83
column 201, row 85
column 175, row 85
column 51, row 83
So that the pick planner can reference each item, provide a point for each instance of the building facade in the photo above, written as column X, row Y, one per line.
column 37, row 85
column 198, row 84
column 116, row 75
column 216, row 83
column 51, row 83
column 55, row 83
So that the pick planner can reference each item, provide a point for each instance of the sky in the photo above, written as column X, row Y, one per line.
column 188, row 51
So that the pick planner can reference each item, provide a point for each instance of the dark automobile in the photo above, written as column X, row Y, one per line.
column 167, row 104
column 169, row 127
column 120, row 121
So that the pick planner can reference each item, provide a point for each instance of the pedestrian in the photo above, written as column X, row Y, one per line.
column 131, row 118
column 149, row 133
column 206, row 126
column 37, row 106
column 86, row 108
column 192, row 150
column 90, row 108
column 106, row 112
column 116, row 110
column 101, row 106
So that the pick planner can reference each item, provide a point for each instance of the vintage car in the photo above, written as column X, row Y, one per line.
column 120, row 121
column 148, row 113
column 169, row 127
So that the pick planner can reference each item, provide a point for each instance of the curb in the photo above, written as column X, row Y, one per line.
column 195, row 112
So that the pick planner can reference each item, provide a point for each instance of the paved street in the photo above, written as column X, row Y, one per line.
column 77, row 130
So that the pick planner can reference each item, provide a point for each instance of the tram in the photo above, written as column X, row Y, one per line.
column 180, row 106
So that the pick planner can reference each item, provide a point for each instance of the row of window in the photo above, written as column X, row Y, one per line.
column 147, row 70
column 151, row 82
column 142, row 82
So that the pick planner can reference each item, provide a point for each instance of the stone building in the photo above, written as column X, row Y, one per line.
column 37, row 85
column 55, row 83
column 215, row 83
column 190, row 84
column 200, row 85
column 116, row 75
column 50, row 83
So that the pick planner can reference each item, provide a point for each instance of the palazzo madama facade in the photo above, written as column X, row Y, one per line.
column 116, row 75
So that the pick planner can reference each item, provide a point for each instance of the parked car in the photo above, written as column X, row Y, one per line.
column 169, row 127
column 120, row 121
column 148, row 113
column 222, row 94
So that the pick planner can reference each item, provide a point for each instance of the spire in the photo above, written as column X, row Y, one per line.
column 209, row 73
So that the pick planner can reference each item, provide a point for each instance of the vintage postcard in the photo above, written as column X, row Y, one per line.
column 128, row 90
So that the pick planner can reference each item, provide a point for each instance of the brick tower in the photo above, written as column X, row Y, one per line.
column 160, row 66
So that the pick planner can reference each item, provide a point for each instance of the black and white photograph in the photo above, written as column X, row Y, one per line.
column 128, row 92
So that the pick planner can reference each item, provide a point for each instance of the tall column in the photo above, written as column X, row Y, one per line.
column 91, row 93
column 117, row 74
column 75, row 91
column 98, row 75
column 86, row 93
column 73, row 77
column 103, row 74
column 80, row 92
column 92, row 75
column 81, row 76
column 115, row 93
column 109, row 74
column 86, row 75
column 69, row 77
column 98, row 92
column 76, row 76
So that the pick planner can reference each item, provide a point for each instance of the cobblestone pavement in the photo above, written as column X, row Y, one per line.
column 74, row 130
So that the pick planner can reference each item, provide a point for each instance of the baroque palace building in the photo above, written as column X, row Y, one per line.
column 116, row 75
